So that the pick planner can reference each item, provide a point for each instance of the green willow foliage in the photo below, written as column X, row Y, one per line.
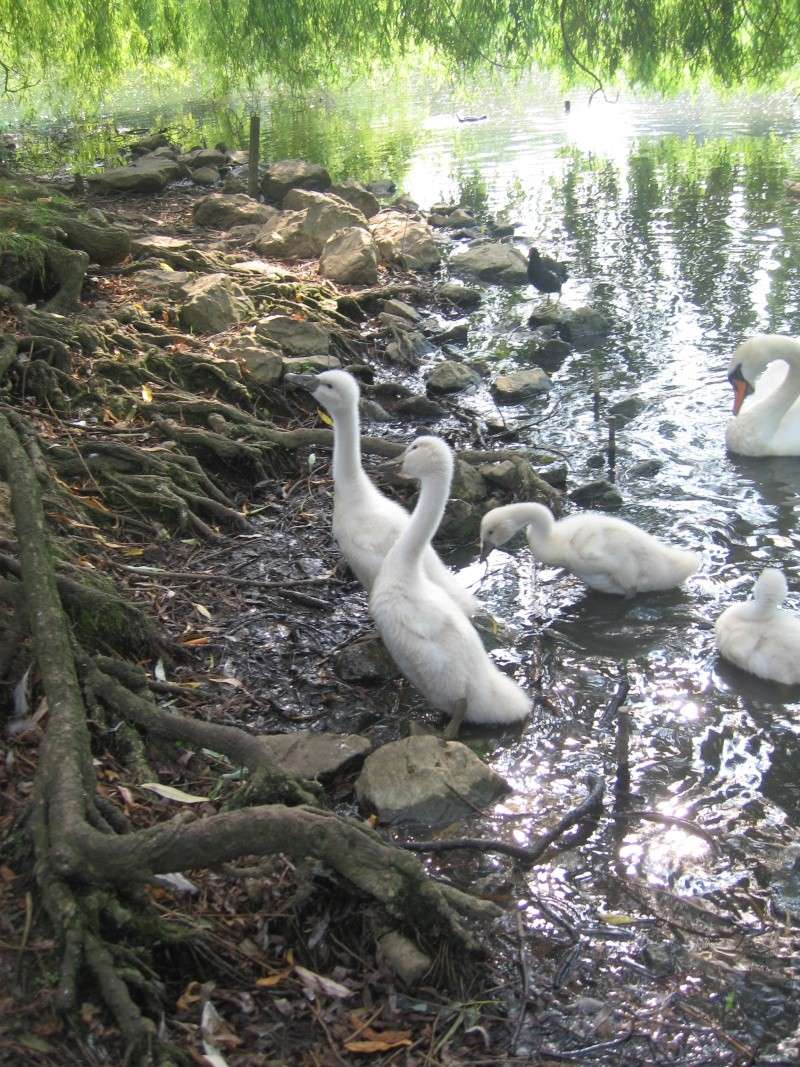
column 659, row 43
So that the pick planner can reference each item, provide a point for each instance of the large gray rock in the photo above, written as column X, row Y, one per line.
column 492, row 262
column 203, row 157
column 220, row 211
column 149, row 174
column 327, row 215
column 264, row 365
column 205, row 176
column 300, row 199
column 286, row 237
column 504, row 474
column 298, row 337
column 289, row 174
column 405, row 242
column 241, row 236
column 401, row 309
column 425, row 780
column 450, row 377
column 350, row 256
column 520, row 385
column 395, row 322
column 355, row 193
column 214, row 302
column 316, row 755
column 468, row 484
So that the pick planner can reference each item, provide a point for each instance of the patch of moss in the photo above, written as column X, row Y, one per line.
column 22, row 253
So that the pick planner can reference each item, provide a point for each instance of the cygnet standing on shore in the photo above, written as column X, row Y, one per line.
column 428, row 637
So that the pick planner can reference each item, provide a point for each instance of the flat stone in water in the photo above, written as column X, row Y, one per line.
column 425, row 780
column 451, row 377
column 420, row 407
column 459, row 294
column 312, row 755
column 599, row 493
column 645, row 468
column 492, row 262
column 520, row 385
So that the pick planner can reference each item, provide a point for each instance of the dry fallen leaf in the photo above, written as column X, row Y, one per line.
column 169, row 792
column 147, row 394
column 317, row 983
column 377, row 1045
column 191, row 994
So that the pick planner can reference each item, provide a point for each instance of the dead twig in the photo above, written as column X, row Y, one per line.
column 527, row 854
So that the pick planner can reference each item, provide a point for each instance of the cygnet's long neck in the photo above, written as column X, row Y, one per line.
column 347, row 470
column 406, row 552
column 539, row 524
column 759, row 609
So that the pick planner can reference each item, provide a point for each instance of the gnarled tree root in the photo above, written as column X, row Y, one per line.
column 77, row 849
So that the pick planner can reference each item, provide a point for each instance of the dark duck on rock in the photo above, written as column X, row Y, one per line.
column 546, row 274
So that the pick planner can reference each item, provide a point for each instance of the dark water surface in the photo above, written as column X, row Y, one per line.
column 675, row 221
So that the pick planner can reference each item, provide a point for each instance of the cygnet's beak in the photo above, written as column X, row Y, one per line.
column 486, row 548
column 391, row 468
column 302, row 381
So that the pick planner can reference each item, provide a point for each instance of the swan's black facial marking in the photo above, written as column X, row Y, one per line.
column 736, row 377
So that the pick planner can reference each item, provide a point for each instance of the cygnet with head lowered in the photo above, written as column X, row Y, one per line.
column 606, row 553
column 758, row 636
column 431, row 641
column 365, row 522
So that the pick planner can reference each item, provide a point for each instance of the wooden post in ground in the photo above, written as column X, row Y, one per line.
column 255, row 146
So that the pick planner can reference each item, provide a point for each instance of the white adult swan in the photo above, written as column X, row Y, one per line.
column 430, row 640
column 769, row 423
column 606, row 553
column 760, row 638
column 365, row 522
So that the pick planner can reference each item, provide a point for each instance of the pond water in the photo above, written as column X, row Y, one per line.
column 675, row 221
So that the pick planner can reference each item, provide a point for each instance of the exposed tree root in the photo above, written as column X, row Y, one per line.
column 78, row 848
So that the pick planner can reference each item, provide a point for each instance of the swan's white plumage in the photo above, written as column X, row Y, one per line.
column 758, row 636
column 606, row 553
column 766, row 423
column 430, row 640
column 365, row 522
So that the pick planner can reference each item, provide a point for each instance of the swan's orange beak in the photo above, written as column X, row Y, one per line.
column 741, row 388
column 739, row 394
